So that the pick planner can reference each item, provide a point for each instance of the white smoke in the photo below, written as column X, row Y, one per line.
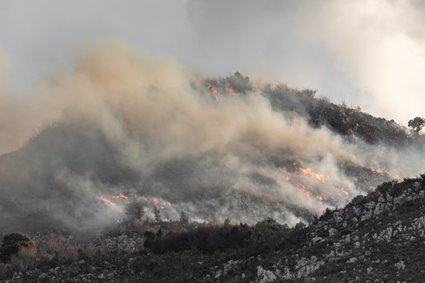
column 122, row 122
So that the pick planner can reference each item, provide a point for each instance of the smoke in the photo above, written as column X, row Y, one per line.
column 3, row 74
column 147, row 127
column 379, row 45
column 370, row 53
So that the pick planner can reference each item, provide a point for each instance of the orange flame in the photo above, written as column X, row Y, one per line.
column 304, row 190
column 213, row 91
column 120, row 196
column 106, row 201
column 311, row 173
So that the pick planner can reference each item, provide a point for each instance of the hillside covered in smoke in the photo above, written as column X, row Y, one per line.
column 123, row 128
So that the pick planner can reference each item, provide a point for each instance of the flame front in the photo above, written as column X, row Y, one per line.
column 106, row 201
column 311, row 173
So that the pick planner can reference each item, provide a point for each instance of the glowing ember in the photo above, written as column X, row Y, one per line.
column 166, row 204
column 120, row 196
column 213, row 91
column 106, row 201
column 231, row 91
column 310, row 172
column 304, row 190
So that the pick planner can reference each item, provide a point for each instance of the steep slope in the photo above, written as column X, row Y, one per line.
column 377, row 237
column 273, row 152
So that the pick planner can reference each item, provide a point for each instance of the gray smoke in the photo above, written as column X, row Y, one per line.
column 146, row 127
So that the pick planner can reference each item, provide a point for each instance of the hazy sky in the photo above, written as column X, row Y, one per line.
column 368, row 53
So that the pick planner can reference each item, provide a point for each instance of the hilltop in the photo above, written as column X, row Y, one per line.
column 347, row 121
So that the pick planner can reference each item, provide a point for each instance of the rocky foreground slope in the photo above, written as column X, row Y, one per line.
column 374, row 238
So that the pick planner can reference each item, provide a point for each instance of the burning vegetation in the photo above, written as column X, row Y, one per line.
column 177, row 162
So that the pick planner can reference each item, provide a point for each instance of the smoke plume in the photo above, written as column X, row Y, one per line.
column 123, row 125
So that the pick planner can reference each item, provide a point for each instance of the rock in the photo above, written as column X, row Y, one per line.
column 264, row 276
column 348, row 238
column 352, row 260
column 381, row 199
column 357, row 211
column 370, row 205
column 332, row 232
column 317, row 240
column 306, row 266
column 367, row 215
column 229, row 265
column 379, row 208
column 400, row 265
column 43, row 278
column 369, row 269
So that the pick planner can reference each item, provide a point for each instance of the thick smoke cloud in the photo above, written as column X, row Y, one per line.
column 368, row 53
column 380, row 46
column 121, row 122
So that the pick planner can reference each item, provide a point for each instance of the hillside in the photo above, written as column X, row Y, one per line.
column 379, row 236
column 252, row 152
column 223, row 182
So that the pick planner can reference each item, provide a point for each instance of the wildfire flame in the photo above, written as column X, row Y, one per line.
column 304, row 190
column 311, row 173
column 386, row 172
column 114, row 200
column 120, row 196
column 106, row 201
column 213, row 91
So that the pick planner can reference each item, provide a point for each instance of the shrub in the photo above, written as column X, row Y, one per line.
column 13, row 244
column 206, row 239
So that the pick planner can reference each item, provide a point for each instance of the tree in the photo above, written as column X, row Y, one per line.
column 135, row 210
column 416, row 124
column 157, row 214
column 184, row 218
